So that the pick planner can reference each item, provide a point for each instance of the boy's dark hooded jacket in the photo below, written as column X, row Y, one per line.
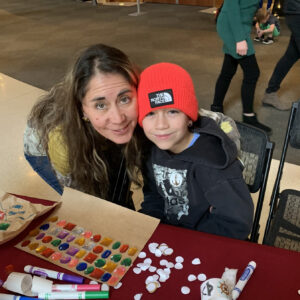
column 180, row 188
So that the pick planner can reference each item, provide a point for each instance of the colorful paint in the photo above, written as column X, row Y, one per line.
column 89, row 254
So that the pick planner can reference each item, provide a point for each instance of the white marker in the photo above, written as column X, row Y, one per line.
column 74, row 295
column 243, row 280
column 75, row 287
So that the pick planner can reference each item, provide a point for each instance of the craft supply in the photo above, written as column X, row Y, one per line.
column 214, row 288
column 243, row 280
column 40, row 284
column 229, row 276
column 12, row 297
column 75, row 287
column 53, row 274
column 185, row 290
column 19, row 283
column 74, row 295
column 79, row 250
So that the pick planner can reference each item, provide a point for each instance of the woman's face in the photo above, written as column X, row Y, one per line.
column 110, row 104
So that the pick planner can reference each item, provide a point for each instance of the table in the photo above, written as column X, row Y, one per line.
column 276, row 276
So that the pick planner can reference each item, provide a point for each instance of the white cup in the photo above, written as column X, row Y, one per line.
column 214, row 289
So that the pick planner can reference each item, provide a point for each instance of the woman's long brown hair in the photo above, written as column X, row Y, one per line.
column 62, row 108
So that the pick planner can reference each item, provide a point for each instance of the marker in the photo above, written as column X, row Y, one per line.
column 75, row 287
column 74, row 295
column 53, row 274
column 12, row 297
column 243, row 280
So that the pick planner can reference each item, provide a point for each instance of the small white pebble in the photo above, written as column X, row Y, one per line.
column 167, row 270
column 118, row 285
column 148, row 261
column 158, row 253
column 152, row 269
column 138, row 296
column 104, row 287
column 168, row 251
column 192, row 277
column 178, row 266
column 152, row 247
column 170, row 265
column 298, row 292
column 137, row 270
column 179, row 259
column 196, row 261
column 144, row 267
column 151, row 287
column 163, row 262
column 155, row 277
column 158, row 271
column 201, row 277
column 162, row 248
column 142, row 255
column 163, row 279
column 94, row 282
column 185, row 290
column 149, row 279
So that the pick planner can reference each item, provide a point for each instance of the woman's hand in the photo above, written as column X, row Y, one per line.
column 241, row 48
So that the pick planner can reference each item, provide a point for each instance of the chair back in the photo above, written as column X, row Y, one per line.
column 256, row 154
column 283, row 225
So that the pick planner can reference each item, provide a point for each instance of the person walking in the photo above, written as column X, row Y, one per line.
column 234, row 26
column 291, row 55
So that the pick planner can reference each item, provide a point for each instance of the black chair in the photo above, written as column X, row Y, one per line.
column 256, row 154
column 283, row 224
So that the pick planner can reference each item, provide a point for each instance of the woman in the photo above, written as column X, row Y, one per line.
column 234, row 27
column 82, row 134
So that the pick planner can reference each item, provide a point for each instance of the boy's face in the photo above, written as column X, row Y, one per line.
column 168, row 129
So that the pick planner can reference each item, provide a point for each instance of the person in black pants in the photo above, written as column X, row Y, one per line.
column 234, row 26
column 291, row 55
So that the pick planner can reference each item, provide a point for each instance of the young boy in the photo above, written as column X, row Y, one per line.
column 192, row 177
column 267, row 26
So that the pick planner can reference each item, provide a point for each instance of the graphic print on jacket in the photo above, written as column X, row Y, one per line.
column 173, row 184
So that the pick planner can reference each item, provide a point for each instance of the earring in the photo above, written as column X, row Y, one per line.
column 85, row 119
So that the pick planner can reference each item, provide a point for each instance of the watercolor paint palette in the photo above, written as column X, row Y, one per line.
column 87, row 253
column 89, row 236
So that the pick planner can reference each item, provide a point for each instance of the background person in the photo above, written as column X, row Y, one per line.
column 192, row 178
column 267, row 26
column 82, row 134
column 234, row 26
column 291, row 55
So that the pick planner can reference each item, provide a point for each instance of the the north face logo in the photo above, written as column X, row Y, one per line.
column 161, row 98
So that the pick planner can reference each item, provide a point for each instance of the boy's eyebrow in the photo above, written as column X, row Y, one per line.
column 120, row 94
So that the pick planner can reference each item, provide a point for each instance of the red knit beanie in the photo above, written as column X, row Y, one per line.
column 166, row 85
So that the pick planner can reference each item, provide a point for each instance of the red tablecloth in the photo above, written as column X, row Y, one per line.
column 276, row 277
